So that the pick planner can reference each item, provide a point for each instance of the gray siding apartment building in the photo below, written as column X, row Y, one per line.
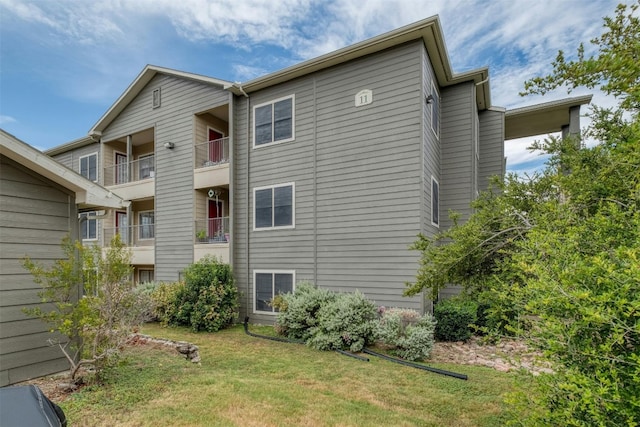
column 325, row 171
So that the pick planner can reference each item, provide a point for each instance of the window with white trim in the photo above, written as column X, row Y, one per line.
column 268, row 284
column 435, row 111
column 274, row 207
column 273, row 122
column 89, row 167
column 146, row 166
column 88, row 227
column 145, row 276
column 435, row 202
column 146, row 225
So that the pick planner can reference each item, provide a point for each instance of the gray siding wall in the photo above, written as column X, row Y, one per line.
column 430, row 147
column 457, row 168
column 71, row 159
column 174, row 121
column 35, row 215
column 358, row 180
column 491, row 146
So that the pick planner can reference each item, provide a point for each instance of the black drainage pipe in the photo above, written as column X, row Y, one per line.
column 267, row 337
column 416, row 365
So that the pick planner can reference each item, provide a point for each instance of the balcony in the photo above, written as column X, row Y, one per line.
column 132, row 180
column 140, row 238
column 212, row 153
column 212, row 231
column 211, row 167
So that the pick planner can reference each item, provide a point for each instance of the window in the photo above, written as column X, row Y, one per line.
column 435, row 111
column 156, row 98
column 274, row 207
column 145, row 276
column 89, row 167
column 146, row 166
column 88, row 227
column 146, row 230
column 273, row 122
column 435, row 202
column 268, row 284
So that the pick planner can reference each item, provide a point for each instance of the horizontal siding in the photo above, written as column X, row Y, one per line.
column 457, row 168
column 180, row 119
column 35, row 215
column 71, row 159
column 491, row 146
column 357, row 175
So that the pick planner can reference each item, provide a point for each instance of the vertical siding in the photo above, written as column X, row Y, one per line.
column 457, row 183
column 35, row 215
column 357, row 174
column 174, row 121
column 491, row 146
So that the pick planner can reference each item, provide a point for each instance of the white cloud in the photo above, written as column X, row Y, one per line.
column 6, row 119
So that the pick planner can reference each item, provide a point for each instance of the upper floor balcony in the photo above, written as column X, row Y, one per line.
column 133, row 180
column 211, row 166
column 140, row 238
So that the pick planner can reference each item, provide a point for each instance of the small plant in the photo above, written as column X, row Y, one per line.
column 298, row 310
column 454, row 318
column 201, row 235
column 409, row 335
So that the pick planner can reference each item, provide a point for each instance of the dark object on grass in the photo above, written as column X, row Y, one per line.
column 416, row 365
column 28, row 406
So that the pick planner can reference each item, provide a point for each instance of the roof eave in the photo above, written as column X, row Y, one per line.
column 88, row 193
column 145, row 76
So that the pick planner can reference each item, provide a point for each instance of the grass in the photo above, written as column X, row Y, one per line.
column 247, row 381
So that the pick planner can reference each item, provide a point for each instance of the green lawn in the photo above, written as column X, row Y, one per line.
column 247, row 381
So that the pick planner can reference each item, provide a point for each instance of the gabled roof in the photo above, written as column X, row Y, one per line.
column 88, row 193
column 427, row 30
column 539, row 119
column 148, row 73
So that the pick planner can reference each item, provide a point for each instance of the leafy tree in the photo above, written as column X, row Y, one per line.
column 90, row 300
column 563, row 248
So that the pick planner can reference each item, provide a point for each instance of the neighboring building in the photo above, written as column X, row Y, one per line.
column 39, row 202
column 325, row 171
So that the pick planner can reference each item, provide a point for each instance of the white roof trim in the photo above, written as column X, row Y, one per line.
column 88, row 193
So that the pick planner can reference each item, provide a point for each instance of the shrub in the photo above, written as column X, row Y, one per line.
column 347, row 321
column 209, row 299
column 409, row 335
column 165, row 302
column 453, row 319
column 298, row 310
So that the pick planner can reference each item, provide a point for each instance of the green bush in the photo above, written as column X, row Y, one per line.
column 165, row 302
column 347, row 322
column 298, row 311
column 409, row 335
column 454, row 318
column 209, row 299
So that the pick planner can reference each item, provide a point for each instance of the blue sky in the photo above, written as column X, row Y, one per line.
column 63, row 63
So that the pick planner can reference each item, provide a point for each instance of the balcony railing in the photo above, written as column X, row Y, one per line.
column 132, row 235
column 136, row 170
column 213, row 230
column 212, row 153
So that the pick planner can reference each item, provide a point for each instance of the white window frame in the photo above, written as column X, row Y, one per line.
column 435, row 103
column 156, row 98
column 153, row 273
column 95, row 155
column 293, row 207
column 293, row 121
column 152, row 171
column 85, row 223
column 273, row 273
column 437, row 199
column 140, row 225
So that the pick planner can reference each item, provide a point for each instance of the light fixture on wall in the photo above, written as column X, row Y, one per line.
column 429, row 99
column 169, row 145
